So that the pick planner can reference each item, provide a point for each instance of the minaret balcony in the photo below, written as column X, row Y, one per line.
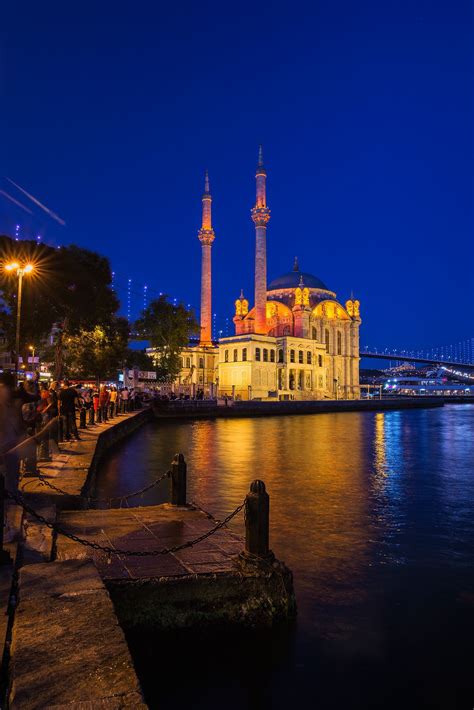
column 260, row 216
column 206, row 236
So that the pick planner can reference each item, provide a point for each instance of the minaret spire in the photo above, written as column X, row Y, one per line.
column 260, row 216
column 206, row 237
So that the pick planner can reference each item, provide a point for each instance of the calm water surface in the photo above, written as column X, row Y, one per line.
column 374, row 513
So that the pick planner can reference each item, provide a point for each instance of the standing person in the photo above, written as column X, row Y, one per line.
column 67, row 403
column 43, row 453
column 103, row 402
column 124, row 398
column 95, row 402
column 53, row 411
column 113, row 401
column 13, row 428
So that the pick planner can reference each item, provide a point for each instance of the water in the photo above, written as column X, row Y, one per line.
column 374, row 513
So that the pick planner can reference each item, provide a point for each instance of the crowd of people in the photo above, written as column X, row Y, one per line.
column 36, row 416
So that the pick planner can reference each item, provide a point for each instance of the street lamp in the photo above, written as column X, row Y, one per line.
column 20, row 271
column 32, row 348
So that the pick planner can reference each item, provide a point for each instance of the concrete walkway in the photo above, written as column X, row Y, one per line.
column 69, row 469
column 149, row 528
column 58, row 655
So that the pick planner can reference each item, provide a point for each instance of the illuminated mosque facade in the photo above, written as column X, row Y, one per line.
column 297, row 342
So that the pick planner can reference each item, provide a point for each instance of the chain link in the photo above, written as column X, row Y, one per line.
column 90, row 499
column 19, row 499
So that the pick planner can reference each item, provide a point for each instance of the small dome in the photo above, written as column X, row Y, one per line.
column 292, row 280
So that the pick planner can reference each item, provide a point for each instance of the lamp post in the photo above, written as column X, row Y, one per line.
column 20, row 271
column 32, row 348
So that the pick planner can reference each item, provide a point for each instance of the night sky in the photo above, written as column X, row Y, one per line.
column 111, row 113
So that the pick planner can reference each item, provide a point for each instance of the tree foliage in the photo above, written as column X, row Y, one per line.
column 69, row 288
column 96, row 353
column 169, row 328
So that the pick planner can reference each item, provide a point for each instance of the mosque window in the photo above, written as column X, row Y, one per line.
column 286, row 330
column 244, row 354
column 314, row 334
column 272, row 356
column 226, row 356
column 300, row 356
column 188, row 362
column 339, row 342
column 326, row 338
column 320, row 360
column 280, row 356
column 201, row 363
column 308, row 358
column 265, row 355
column 236, row 355
column 292, row 355
column 257, row 353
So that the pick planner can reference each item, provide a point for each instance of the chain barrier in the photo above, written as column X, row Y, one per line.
column 19, row 499
column 90, row 499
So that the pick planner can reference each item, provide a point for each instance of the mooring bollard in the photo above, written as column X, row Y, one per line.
column 178, row 480
column 5, row 558
column 257, row 521
column 82, row 418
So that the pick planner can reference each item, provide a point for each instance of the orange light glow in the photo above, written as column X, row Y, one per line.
column 12, row 266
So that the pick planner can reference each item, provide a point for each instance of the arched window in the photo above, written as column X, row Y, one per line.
column 201, row 363
column 292, row 355
column 257, row 353
column 326, row 338
column 339, row 342
column 314, row 333
column 272, row 356
column 287, row 330
column 265, row 355
column 320, row 360
column 280, row 356
column 244, row 354
column 226, row 356
column 188, row 362
column 308, row 357
column 236, row 355
column 300, row 357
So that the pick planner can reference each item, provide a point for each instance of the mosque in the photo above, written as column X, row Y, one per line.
column 297, row 342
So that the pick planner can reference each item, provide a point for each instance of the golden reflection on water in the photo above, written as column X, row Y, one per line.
column 316, row 470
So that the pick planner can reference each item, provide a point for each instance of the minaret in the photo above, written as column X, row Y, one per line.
column 206, row 237
column 260, row 216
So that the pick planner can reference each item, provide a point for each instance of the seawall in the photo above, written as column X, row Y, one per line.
column 209, row 409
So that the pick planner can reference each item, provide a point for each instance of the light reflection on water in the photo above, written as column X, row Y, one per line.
column 373, row 512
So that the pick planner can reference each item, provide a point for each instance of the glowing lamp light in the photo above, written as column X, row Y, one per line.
column 11, row 267
column 28, row 268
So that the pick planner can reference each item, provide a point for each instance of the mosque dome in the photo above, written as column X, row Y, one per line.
column 292, row 280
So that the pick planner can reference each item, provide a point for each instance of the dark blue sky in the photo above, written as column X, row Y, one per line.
column 111, row 113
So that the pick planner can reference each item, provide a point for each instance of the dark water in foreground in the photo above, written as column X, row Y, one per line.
column 374, row 513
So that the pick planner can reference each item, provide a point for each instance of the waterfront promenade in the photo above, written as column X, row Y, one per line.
column 84, row 575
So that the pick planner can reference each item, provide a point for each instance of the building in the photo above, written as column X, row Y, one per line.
column 297, row 342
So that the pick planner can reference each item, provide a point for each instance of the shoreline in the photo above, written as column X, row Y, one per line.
column 204, row 409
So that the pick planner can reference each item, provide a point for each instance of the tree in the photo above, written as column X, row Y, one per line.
column 96, row 353
column 69, row 289
column 138, row 359
column 169, row 328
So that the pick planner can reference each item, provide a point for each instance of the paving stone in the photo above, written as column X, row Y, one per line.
column 58, row 655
